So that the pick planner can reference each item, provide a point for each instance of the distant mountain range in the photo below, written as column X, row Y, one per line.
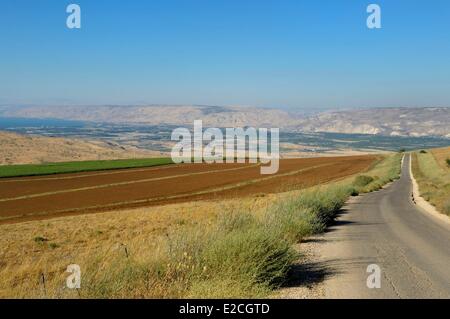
column 382, row 121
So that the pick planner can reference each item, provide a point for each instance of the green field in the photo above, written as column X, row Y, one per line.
column 81, row 166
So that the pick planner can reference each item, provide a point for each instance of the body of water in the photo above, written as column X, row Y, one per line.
column 154, row 137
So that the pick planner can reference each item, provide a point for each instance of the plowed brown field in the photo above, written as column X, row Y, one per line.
column 31, row 198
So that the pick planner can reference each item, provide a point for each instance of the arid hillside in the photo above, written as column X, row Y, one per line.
column 400, row 121
column 28, row 149
column 424, row 121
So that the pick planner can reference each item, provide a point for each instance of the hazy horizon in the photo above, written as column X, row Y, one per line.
column 283, row 108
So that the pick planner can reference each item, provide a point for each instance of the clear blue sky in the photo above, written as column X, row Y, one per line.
column 299, row 53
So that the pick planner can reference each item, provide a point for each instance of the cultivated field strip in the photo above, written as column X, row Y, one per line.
column 39, row 198
column 191, row 196
column 144, row 180
column 18, row 187
column 86, row 174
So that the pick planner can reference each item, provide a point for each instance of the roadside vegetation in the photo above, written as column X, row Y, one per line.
column 236, row 252
column 81, row 166
column 432, row 173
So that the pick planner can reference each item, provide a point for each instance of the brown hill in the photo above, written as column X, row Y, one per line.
column 31, row 149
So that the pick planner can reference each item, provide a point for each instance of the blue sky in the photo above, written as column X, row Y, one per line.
column 296, row 54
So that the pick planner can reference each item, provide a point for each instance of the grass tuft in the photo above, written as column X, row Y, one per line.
column 53, row 245
column 363, row 180
column 40, row 239
column 446, row 207
column 433, row 180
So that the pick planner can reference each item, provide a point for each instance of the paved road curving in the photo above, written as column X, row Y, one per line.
column 411, row 247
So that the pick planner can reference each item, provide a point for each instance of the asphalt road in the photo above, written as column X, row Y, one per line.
column 411, row 247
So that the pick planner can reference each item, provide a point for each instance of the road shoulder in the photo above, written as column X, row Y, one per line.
column 420, row 202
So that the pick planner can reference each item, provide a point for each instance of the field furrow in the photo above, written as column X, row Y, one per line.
column 37, row 198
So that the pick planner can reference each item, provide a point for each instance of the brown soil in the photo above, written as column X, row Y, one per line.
column 43, row 197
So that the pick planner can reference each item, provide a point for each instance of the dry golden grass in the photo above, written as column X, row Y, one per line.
column 433, row 176
column 441, row 155
column 34, row 149
column 30, row 249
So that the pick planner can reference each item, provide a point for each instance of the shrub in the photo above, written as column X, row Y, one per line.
column 363, row 180
column 446, row 209
column 325, row 203
column 423, row 152
column 40, row 239
column 255, row 256
column 253, row 253
column 120, row 278
column 235, row 220
column 354, row 192
column 293, row 221
column 448, row 161
column 236, row 256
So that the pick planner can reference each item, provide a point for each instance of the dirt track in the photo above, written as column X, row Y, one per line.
column 42, row 197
